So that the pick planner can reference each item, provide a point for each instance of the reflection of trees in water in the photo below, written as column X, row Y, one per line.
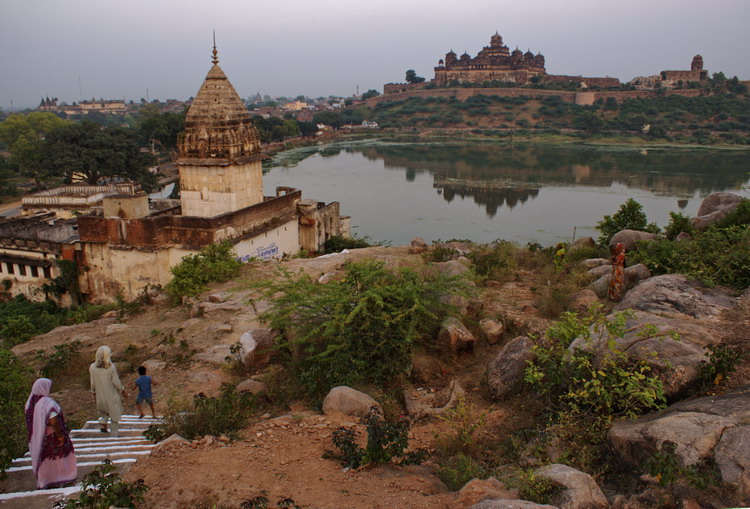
column 489, row 196
column 671, row 172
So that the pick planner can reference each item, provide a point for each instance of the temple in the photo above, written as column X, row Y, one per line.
column 493, row 63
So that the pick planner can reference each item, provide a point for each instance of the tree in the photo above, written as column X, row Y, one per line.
column 588, row 121
column 91, row 152
column 162, row 128
column 330, row 118
column 370, row 93
column 411, row 77
column 23, row 135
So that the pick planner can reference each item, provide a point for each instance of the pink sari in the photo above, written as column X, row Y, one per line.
column 53, row 463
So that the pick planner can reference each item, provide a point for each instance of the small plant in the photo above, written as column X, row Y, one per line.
column 630, row 216
column 337, row 243
column 60, row 359
column 536, row 489
column 261, row 502
column 495, row 261
column 678, row 223
column 465, row 423
column 104, row 488
column 664, row 465
column 722, row 362
column 459, row 469
column 386, row 441
column 439, row 252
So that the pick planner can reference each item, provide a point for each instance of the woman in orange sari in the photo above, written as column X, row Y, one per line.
column 617, row 281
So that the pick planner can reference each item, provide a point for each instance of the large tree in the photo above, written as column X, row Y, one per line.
column 23, row 136
column 411, row 77
column 90, row 152
column 160, row 128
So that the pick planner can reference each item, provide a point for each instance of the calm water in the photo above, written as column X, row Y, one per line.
column 482, row 192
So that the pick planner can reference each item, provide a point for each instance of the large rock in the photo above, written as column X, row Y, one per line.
column 507, row 503
column 732, row 456
column 420, row 403
column 257, row 347
column 582, row 300
column 455, row 336
column 505, row 372
column 715, row 207
column 252, row 386
column 601, row 286
column 418, row 246
column 636, row 274
column 493, row 330
column 674, row 293
column 580, row 491
column 345, row 400
column 601, row 270
column 477, row 490
column 629, row 238
column 454, row 268
column 583, row 242
column 596, row 262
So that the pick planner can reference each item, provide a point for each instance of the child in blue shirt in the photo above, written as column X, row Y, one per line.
column 143, row 384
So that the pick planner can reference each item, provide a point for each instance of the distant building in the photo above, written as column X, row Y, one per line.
column 695, row 74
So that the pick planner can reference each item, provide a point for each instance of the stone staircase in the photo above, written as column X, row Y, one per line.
column 92, row 446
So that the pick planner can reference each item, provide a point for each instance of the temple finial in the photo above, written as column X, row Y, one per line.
column 215, row 58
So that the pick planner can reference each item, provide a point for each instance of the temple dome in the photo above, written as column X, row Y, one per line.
column 217, row 125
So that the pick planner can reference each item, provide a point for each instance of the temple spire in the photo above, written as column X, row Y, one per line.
column 215, row 58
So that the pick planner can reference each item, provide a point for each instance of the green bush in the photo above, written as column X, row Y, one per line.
column 739, row 217
column 495, row 261
column 60, row 360
column 105, row 488
column 630, row 216
column 15, row 383
column 459, row 469
column 722, row 362
column 337, row 243
column 16, row 329
column 386, row 441
column 361, row 329
column 678, row 223
column 718, row 256
column 213, row 264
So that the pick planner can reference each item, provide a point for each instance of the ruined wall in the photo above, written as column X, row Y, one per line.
column 318, row 224
column 271, row 244
column 208, row 191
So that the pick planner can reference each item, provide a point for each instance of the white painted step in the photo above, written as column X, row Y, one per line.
column 70, row 490
column 83, row 464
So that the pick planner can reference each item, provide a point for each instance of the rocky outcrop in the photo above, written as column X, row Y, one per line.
column 629, row 238
column 674, row 293
column 347, row 401
column 418, row 246
column 580, row 301
column 715, row 207
column 708, row 427
column 506, row 370
column 580, row 491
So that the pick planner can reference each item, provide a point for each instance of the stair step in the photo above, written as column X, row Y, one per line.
column 82, row 464
column 70, row 490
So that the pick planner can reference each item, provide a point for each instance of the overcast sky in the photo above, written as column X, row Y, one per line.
column 328, row 47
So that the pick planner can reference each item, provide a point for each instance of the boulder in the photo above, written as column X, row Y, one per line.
column 493, row 330
column 462, row 248
column 454, row 268
column 455, row 336
column 674, row 294
column 507, row 503
column 601, row 286
column 682, row 237
column 189, row 323
column 154, row 365
column 596, row 262
column 217, row 328
column 582, row 300
column 418, row 246
column 636, row 274
column 256, row 347
column 601, row 270
column 732, row 456
column 715, row 207
column 629, row 238
column 216, row 354
column 252, row 386
column 477, row 490
column 347, row 401
column 580, row 491
column 583, row 242
column 172, row 439
column 116, row 328
column 421, row 403
column 505, row 372
column 219, row 297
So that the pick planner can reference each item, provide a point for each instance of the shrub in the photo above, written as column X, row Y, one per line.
column 261, row 502
column 104, row 487
column 722, row 362
column 738, row 217
column 718, row 256
column 337, row 243
column 678, row 223
column 15, row 382
column 630, row 216
column 362, row 328
column 16, row 329
column 466, row 423
column 386, row 441
column 213, row 264
column 495, row 261
column 459, row 469
column 207, row 415
column 536, row 489
column 61, row 360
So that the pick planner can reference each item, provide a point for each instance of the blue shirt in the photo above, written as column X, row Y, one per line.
column 144, row 386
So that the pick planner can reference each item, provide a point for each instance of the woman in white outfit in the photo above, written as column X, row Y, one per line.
column 105, row 384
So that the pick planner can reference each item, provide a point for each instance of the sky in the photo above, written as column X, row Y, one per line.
column 75, row 49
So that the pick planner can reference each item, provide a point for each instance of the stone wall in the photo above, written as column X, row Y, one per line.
column 208, row 191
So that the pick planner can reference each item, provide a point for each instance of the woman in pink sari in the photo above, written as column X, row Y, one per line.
column 52, row 457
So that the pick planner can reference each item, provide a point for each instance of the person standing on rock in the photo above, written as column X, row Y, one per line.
column 52, row 456
column 105, row 384
column 617, row 281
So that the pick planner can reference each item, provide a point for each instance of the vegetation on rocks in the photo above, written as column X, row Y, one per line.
column 630, row 216
column 15, row 380
column 213, row 264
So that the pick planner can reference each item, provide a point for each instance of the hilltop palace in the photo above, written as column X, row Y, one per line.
column 120, row 241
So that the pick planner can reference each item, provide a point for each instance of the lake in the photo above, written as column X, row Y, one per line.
column 395, row 191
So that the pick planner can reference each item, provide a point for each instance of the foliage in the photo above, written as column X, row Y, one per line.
column 411, row 77
column 678, row 223
column 60, row 359
column 738, row 217
column 329, row 118
column 722, row 362
column 15, row 383
column 361, row 328
column 207, row 415
column 104, row 488
column 88, row 151
column 213, row 264
column 536, row 489
column 717, row 256
column 158, row 127
column 386, row 441
column 277, row 129
column 608, row 384
column 337, row 243
column 66, row 282
column 667, row 468
column 494, row 261
column 261, row 502
column 370, row 93
column 439, row 253
column 16, row 329
column 466, row 424
column 459, row 469
column 18, row 312
column 630, row 216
